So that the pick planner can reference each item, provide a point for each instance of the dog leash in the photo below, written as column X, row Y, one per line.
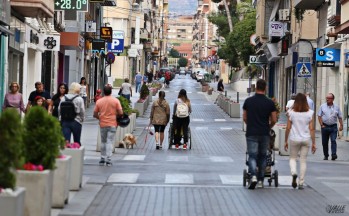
column 148, row 132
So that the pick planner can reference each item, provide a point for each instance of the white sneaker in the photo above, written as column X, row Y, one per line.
column 253, row 183
column 260, row 184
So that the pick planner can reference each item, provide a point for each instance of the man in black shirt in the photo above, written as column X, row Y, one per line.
column 260, row 116
column 39, row 92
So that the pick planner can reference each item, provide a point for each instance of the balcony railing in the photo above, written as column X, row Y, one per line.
column 334, row 20
column 31, row 8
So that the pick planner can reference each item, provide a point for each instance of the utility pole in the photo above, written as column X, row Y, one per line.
column 160, row 39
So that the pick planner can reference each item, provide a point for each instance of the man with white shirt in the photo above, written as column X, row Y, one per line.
column 310, row 101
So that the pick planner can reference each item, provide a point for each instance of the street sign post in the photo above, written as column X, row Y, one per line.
column 304, row 69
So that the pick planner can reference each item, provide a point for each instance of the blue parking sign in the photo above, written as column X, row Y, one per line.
column 116, row 46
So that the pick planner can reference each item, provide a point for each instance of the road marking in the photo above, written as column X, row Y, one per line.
column 134, row 157
column 177, row 158
column 231, row 179
column 92, row 157
column 198, row 120
column 123, row 178
column 220, row 120
column 179, row 179
column 219, row 159
column 201, row 128
column 226, row 128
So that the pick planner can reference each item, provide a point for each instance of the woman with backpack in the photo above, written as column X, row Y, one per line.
column 181, row 120
column 159, row 118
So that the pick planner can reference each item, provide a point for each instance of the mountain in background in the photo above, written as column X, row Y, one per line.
column 182, row 7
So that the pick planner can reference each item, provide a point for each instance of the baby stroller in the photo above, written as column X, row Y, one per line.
column 269, row 174
column 171, row 132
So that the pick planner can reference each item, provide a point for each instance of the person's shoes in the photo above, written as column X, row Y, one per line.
column 109, row 163
column 334, row 157
column 300, row 187
column 185, row 146
column 294, row 180
column 177, row 146
column 253, row 183
column 260, row 184
column 101, row 162
column 157, row 146
column 160, row 146
column 325, row 158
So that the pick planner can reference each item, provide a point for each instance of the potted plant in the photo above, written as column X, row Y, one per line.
column 43, row 139
column 11, row 157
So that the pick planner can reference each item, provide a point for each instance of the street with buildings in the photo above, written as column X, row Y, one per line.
column 205, row 180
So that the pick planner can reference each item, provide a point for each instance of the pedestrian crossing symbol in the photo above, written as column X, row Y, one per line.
column 304, row 69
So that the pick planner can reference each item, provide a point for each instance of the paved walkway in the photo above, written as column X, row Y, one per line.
column 206, row 180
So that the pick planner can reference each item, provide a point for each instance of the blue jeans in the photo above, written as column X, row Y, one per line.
column 326, row 133
column 69, row 127
column 138, row 87
column 107, row 142
column 128, row 96
column 257, row 147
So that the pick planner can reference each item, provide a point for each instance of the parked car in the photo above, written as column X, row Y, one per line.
column 200, row 74
column 182, row 72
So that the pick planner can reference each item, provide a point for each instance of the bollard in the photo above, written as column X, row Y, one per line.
column 237, row 97
column 225, row 93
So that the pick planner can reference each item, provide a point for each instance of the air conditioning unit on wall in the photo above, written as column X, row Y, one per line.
column 284, row 15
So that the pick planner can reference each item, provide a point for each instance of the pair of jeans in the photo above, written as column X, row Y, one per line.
column 127, row 96
column 329, row 132
column 257, row 147
column 301, row 147
column 69, row 127
column 107, row 142
column 180, row 126
column 138, row 87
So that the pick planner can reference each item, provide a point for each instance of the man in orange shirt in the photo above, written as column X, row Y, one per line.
column 106, row 110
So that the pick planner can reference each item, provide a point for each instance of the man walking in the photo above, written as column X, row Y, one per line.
column 138, row 81
column 310, row 101
column 106, row 110
column 328, row 115
column 259, row 120
column 39, row 86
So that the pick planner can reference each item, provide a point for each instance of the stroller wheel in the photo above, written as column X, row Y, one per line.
column 276, row 178
column 244, row 176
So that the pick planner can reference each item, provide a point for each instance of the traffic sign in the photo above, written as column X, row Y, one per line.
column 110, row 57
column 116, row 46
column 304, row 69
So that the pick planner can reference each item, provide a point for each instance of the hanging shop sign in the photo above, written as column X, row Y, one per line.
column 72, row 5
column 90, row 26
column 107, row 33
column 327, row 57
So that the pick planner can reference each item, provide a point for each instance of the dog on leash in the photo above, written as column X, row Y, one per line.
column 128, row 141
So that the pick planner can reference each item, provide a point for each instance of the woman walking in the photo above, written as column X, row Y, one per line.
column 126, row 89
column 159, row 118
column 181, row 120
column 301, row 130
column 13, row 99
column 56, row 99
column 83, row 90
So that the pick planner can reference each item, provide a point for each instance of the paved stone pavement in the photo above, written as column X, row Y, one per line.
column 206, row 180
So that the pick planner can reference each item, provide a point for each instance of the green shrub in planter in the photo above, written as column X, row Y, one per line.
column 144, row 92
column 125, row 104
column 11, row 147
column 42, row 138
column 135, row 111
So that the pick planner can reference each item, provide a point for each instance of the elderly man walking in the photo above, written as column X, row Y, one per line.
column 106, row 110
column 328, row 115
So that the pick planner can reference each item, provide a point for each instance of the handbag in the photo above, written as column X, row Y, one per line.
column 120, row 91
column 123, row 120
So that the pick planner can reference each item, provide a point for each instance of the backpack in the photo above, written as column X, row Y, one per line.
column 68, row 109
column 182, row 110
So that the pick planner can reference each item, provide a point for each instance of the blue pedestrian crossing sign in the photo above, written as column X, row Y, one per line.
column 304, row 69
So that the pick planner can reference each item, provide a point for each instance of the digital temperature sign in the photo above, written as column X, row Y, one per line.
column 75, row 5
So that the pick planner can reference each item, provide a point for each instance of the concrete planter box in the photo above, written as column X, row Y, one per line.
column 209, row 91
column 13, row 205
column 140, row 107
column 282, row 133
column 38, row 184
column 225, row 105
column 61, row 184
column 204, row 88
column 77, row 164
column 234, row 110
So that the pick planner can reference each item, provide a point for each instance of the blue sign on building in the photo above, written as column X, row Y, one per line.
column 116, row 46
column 327, row 54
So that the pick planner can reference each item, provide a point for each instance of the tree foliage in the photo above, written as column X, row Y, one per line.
column 182, row 62
column 174, row 53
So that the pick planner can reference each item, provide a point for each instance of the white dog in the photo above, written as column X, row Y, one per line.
column 128, row 141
